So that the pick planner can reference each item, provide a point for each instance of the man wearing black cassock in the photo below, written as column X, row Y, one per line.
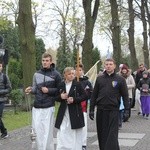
column 108, row 90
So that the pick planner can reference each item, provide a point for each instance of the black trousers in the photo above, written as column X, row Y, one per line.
column 107, row 129
column 2, row 127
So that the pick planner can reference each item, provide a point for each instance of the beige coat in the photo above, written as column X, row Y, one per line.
column 130, row 83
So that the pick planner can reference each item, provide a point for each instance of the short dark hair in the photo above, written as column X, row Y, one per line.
column 110, row 59
column 141, row 64
column 45, row 55
column 80, row 65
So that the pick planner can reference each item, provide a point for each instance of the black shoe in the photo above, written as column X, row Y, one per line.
column 4, row 135
column 139, row 113
column 83, row 147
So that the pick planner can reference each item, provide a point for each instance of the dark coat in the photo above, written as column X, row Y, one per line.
column 5, row 87
column 107, row 92
column 74, row 109
column 87, row 86
column 45, row 77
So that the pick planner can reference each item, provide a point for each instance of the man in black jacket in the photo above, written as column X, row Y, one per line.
column 138, row 76
column 45, row 88
column 5, row 89
column 108, row 89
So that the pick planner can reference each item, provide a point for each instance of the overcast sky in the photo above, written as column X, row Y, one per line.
column 102, row 42
column 45, row 27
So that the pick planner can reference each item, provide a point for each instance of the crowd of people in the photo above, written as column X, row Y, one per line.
column 123, row 91
column 111, row 100
column 112, row 95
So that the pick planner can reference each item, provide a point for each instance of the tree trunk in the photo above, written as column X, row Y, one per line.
column 87, row 44
column 145, row 38
column 27, row 41
column 134, row 61
column 115, row 28
column 148, row 17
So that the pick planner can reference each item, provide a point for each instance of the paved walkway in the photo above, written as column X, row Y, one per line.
column 134, row 135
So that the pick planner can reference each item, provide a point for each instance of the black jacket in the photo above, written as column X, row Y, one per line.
column 139, row 76
column 5, row 87
column 75, row 110
column 87, row 86
column 49, row 78
column 107, row 92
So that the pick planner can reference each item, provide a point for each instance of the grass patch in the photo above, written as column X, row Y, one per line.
column 15, row 121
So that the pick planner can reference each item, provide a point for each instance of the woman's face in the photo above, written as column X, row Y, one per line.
column 69, row 75
column 79, row 72
column 124, row 71
column 145, row 75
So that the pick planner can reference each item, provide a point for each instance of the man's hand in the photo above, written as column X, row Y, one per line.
column 44, row 89
column 126, row 115
column 69, row 100
column 28, row 90
column 91, row 115
column 64, row 95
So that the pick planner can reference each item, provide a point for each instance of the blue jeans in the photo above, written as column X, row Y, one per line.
column 2, row 128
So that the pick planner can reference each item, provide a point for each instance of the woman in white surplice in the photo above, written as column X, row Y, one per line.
column 70, row 120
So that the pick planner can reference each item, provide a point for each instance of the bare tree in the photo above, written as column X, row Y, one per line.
column 145, row 37
column 27, row 40
column 134, row 62
column 147, row 7
column 68, row 22
column 10, row 9
column 90, row 18
column 142, row 17
column 115, row 28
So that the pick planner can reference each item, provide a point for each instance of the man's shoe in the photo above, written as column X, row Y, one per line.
column 83, row 147
column 147, row 117
column 4, row 135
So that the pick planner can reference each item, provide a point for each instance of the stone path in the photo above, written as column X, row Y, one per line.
column 134, row 135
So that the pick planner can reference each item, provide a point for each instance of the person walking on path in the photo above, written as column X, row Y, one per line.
column 70, row 120
column 108, row 90
column 144, row 87
column 87, row 86
column 5, row 89
column 138, row 76
column 126, row 73
column 45, row 88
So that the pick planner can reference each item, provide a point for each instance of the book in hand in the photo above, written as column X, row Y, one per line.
column 145, row 87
